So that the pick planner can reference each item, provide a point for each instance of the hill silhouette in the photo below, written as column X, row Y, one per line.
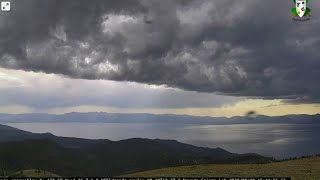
column 96, row 117
column 83, row 157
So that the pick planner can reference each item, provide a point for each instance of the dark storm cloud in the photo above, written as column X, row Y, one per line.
column 240, row 48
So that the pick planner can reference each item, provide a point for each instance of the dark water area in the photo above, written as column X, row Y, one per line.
column 276, row 140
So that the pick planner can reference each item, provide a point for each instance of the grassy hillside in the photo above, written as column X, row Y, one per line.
column 33, row 173
column 306, row 168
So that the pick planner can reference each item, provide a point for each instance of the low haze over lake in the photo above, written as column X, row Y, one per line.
column 277, row 140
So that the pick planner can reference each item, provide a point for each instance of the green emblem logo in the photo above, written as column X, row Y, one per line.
column 301, row 8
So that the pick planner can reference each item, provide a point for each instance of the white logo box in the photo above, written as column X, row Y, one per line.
column 5, row 6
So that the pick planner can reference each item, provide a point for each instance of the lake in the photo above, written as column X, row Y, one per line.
column 277, row 140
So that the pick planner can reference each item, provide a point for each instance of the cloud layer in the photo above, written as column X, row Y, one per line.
column 239, row 48
column 41, row 92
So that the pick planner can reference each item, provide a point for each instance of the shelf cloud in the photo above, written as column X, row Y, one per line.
column 248, row 48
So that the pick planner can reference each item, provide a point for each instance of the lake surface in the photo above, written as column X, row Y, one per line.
column 277, row 140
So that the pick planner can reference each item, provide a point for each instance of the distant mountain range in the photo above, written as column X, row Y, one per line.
column 95, row 117
column 21, row 150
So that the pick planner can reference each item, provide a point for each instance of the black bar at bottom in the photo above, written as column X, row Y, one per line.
column 146, row 178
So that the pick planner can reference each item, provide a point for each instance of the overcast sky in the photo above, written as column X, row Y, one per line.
column 197, row 57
